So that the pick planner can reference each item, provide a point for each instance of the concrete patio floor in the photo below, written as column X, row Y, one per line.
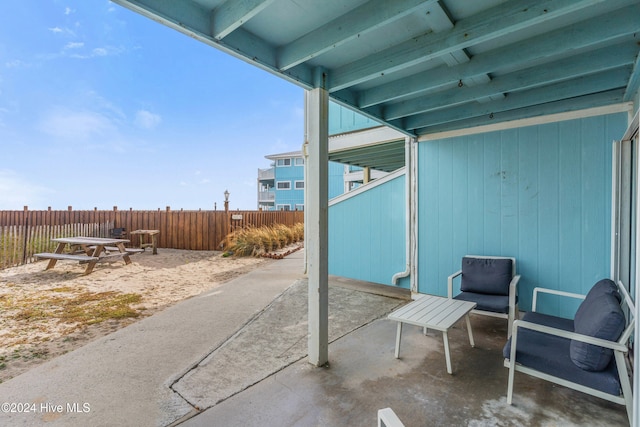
column 363, row 376
column 235, row 356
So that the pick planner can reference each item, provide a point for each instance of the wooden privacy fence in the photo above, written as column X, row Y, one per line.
column 182, row 229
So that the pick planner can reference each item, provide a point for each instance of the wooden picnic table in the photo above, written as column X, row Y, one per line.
column 153, row 236
column 92, row 250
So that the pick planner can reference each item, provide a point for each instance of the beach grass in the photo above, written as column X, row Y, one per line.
column 257, row 241
column 72, row 307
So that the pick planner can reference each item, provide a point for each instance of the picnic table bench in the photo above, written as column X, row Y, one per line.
column 130, row 251
column 69, row 257
column 92, row 251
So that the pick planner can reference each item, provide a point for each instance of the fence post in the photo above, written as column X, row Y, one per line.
column 25, row 225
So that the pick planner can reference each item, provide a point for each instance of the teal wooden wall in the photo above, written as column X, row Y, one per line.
column 336, row 179
column 342, row 119
column 367, row 234
column 539, row 193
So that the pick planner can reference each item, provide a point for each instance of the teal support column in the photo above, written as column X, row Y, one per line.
column 316, row 223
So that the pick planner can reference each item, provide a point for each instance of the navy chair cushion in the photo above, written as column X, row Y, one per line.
column 604, row 287
column 494, row 303
column 486, row 275
column 550, row 354
column 548, row 320
column 599, row 316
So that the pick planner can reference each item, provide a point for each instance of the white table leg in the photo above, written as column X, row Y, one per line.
column 398, row 335
column 470, row 331
column 447, row 355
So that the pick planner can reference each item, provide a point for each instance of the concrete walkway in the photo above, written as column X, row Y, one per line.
column 124, row 378
column 169, row 367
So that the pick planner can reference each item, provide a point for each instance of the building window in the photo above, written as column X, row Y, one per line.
column 283, row 162
column 283, row 207
column 299, row 207
column 299, row 185
column 299, row 161
column 283, row 185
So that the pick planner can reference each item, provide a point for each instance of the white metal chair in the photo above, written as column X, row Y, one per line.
column 388, row 418
column 492, row 283
column 586, row 353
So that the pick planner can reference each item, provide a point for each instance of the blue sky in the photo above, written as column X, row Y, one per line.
column 101, row 107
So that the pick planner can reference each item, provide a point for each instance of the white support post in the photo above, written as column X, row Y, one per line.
column 316, row 223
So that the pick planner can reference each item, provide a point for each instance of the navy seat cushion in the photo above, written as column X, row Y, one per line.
column 493, row 303
column 548, row 320
column 486, row 275
column 599, row 316
column 550, row 354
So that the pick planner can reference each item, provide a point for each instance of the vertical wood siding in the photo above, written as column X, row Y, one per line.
column 367, row 234
column 539, row 193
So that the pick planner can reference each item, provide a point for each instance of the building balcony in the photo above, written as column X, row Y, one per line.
column 266, row 196
column 266, row 174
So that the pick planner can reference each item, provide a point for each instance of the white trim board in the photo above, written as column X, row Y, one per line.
column 368, row 186
column 571, row 115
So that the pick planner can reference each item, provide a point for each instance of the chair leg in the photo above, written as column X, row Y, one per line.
column 512, row 368
column 624, row 383
column 513, row 313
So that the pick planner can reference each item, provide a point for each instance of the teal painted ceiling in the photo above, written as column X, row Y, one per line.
column 429, row 66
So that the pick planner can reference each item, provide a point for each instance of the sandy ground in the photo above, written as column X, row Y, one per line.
column 44, row 314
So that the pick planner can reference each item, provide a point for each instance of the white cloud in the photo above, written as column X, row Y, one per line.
column 279, row 146
column 68, row 11
column 76, row 125
column 74, row 45
column 97, row 101
column 65, row 31
column 16, row 63
column 147, row 120
column 17, row 192
column 95, row 52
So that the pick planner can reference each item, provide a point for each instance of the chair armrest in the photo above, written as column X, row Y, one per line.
column 614, row 345
column 450, row 283
column 553, row 292
column 513, row 290
column 388, row 418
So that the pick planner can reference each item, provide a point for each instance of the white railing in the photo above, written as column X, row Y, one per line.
column 264, row 174
column 266, row 196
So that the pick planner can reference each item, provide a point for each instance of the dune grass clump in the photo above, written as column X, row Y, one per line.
column 66, row 306
column 257, row 241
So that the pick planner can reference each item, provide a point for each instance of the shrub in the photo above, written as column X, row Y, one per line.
column 257, row 241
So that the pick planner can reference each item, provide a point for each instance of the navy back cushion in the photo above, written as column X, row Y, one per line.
column 486, row 275
column 599, row 316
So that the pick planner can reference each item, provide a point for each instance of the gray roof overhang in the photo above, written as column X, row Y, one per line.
column 424, row 66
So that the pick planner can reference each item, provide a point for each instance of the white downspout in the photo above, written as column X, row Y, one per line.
column 409, row 210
